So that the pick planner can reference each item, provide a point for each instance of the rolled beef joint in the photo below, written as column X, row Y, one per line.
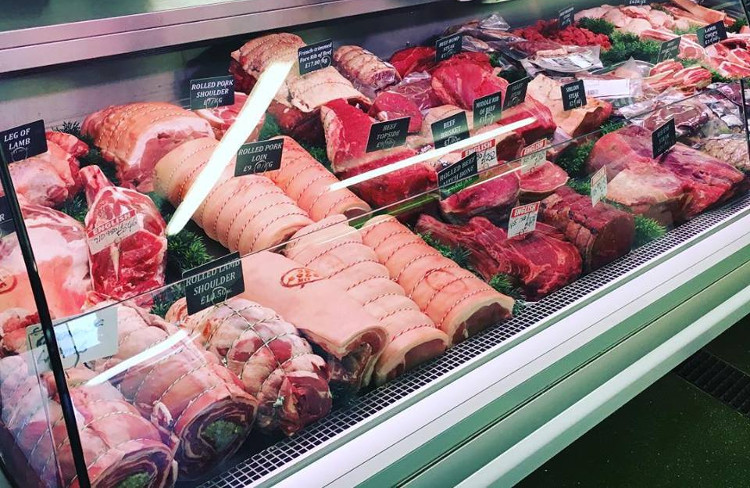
column 352, row 339
column 135, row 136
column 367, row 72
column 120, row 447
column 275, row 364
column 308, row 183
column 458, row 302
column 246, row 213
column 183, row 390
column 335, row 250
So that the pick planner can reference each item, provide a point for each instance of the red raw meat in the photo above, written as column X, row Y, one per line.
column 59, row 243
column 276, row 365
column 13, row 323
column 460, row 80
column 117, row 442
column 672, row 74
column 417, row 87
column 601, row 233
column 542, row 124
column 493, row 198
column 389, row 105
column 542, row 261
column 51, row 178
column 183, row 390
column 413, row 59
column 136, row 263
column 541, row 181
column 222, row 118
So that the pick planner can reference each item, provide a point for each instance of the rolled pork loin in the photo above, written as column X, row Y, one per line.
column 120, row 446
column 352, row 339
column 335, row 250
column 246, row 213
column 137, row 135
column 182, row 389
column 274, row 362
column 459, row 303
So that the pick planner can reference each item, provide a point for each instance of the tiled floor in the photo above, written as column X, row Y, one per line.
column 671, row 435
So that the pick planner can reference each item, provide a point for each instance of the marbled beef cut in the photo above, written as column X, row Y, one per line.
column 462, row 79
column 601, row 233
column 389, row 105
column 493, row 199
column 413, row 59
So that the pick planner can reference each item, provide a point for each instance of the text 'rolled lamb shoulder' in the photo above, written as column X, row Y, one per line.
column 335, row 250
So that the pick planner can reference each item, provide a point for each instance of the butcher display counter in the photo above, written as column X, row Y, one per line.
column 340, row 243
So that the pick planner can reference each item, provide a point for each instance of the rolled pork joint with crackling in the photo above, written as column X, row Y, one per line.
column 458, row 302
column 352, row 339
column 135, row 136
column 275, row 364
column 335, row 250
column 120, row 446
column 246, row 213
column 183, row 390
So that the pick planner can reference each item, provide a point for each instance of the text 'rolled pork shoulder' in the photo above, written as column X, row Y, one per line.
column 134, row 264
column 120, row 447
column 275, row 364
column 458, row 302
column 352, row 339
column 245, row 213
column 335, row 250
column 135, row 136
column 181, row 388
column 61, row 252
column 308, row 183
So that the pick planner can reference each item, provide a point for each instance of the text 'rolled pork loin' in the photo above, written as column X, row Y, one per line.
column 135, row 136
column 136, row 263
column 601, row 233
column 182, row 389
column 458, row 302
column 120, row 447
column 335, row 250
column 61, row 252
column 246, row 213
column 275, row 364
column 308, row 183
column 322, row 311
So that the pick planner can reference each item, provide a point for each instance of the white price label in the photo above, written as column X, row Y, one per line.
column 92, row 336
column 486, row 154
column 113, row 231
column 523, row 219
column 532, row 156
column 607, row 88
column 599, row 186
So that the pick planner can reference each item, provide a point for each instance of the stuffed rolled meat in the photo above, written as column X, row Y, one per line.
column 335, row 250
column 458, row 302
column 120, row 447
column 181, row 388
column 275, row 364
column 320, row 308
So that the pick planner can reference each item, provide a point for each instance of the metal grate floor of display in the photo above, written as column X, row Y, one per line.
column 260, row 464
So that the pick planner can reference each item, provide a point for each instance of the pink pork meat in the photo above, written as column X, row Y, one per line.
column 222, row 118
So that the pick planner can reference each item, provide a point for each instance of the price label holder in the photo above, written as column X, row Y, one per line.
column 315, row 56
column 607, row 88
column 599, row 186
column 573, row 95
column 663, row 138
column 112, row 231
column 533, row 156
column 458, row 175
column 388, row 134
column 206, row 93
column 486, row 154
column 447, row 47
column 7, row 226
column 565, row 17
column 80, row 340
column 636, row 3
column 669, row 49
column 213, row 283
column 259, row 157
column 450, row 130
column 487, row 110
column 712, row 33
column 23, row 141
column 523, row 219
column 515, row 94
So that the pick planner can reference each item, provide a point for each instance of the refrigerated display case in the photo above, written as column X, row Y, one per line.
column 334, row 243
